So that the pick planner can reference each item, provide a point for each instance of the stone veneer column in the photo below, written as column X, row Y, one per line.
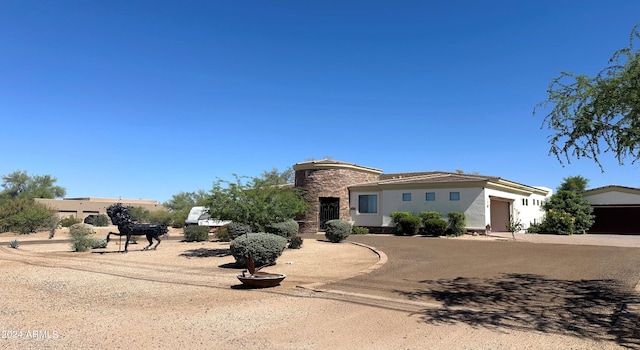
column 329, row 179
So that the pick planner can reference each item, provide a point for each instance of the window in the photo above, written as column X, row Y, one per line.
column 454, row 196
column 430, row 196
column 525, row 201
column 406, row 197
column 368, row 203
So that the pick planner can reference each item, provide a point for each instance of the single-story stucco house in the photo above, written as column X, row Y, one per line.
column 366, row 197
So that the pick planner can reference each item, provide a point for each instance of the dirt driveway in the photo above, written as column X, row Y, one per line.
column 429, row 293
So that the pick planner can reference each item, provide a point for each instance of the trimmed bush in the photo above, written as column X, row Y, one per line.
column 337, row 230
column 435, row 227
column 237, row 229
column 409, row 225
column 397, row 217
column 286, row 229
column 69, row 221
column 426, row 215
column 457, row 224
column 81, row 239
column 295, row 242
column 359, row 230
column 263, row 247
column 195, row 233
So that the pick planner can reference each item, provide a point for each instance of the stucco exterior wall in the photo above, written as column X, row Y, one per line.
column 80, row 208
column 612, row 198
column 471, row 203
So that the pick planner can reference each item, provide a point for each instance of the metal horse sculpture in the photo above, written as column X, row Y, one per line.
column 127, row 226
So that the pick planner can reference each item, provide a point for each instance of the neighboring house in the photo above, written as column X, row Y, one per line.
column 616, row 209
column 81, row 208
column 366, row 197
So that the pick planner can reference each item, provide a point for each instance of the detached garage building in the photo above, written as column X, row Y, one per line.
column 616, row 208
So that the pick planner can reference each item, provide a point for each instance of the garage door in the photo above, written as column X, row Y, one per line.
column 499, row 215
column 616, row 220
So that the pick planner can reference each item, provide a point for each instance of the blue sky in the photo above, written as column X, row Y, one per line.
column 146, row 99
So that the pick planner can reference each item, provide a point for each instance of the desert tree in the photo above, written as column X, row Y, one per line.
column 599, row 114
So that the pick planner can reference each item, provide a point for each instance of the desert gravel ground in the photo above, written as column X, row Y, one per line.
column 384, row 292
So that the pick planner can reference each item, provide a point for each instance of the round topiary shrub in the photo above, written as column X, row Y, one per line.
column 409, row 225
column 337, row 230
column 264, row 248
column 236, row 229
column 435, row 227
column 195, row 233
column 286, row 229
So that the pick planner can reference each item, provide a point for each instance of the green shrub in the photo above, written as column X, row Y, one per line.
column 223, row 234
column 337, row 230
column 69, row 221
column 195, row 233
column 435, row 227
column 237, row 229
column 286, row 229
column 426, row 215
column 457, row 224
column 160, row 216
column 24, row 215
column 295, row 242
column 398, row 218
column 264, row 248
column 534, row 228
column 100, row 220
column 558, row 222
column 81, row 239
column 409, row 225
column 14, row 244
column 397, row 215
column 359, row 230
column 98, row 243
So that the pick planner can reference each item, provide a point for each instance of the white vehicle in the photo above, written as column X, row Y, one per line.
column 200, row 216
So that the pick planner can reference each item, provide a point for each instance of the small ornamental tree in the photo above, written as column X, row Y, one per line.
column 514, row 226
column 263, row 248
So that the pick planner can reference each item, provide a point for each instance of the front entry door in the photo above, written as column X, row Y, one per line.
column 329, row 210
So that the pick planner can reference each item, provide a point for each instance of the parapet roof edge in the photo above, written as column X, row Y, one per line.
column 329, row 163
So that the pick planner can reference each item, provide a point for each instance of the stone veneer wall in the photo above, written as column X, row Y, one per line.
column 329, row 182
